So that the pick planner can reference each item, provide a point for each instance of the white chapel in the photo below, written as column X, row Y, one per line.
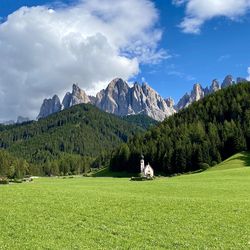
column 146, row 171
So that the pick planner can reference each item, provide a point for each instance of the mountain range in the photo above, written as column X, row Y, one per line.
column 118, row 98
column 122, row 100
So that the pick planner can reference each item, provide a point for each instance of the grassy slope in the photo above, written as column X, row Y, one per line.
column 205, row 210
column 236, row 161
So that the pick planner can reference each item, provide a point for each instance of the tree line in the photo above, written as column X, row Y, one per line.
column 197, row 137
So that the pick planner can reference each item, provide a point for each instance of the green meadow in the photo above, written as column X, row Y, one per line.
column 208, row 210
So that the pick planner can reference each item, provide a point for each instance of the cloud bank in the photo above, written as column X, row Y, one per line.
column 200, row 11
column 45, row 49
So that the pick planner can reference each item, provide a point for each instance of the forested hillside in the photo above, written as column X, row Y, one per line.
column 142, row 121
column 67, row 141
column 199, row 136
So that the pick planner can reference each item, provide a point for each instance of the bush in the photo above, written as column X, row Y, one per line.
column 137, row 179
column 204, row 166
column 214, row 163
column 18, row 181
column 4, row 181
column 141, row 178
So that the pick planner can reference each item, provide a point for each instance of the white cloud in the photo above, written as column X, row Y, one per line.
column 224, row 58
column 248, row 71
column 200, row 11
column 44, row 50
column 178, row 2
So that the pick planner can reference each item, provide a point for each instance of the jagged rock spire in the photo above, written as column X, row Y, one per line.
column 50, row 106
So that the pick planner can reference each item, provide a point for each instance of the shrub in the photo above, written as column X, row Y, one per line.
column 214, row 163
column 4, row 181
column 204, row 166
column 137, row 179
column 141, row 178
column 18, row 181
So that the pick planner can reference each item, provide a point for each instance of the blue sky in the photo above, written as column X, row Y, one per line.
column 221, row 48
column 201, row 40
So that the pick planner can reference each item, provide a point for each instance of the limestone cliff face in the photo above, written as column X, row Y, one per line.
column 196, row 94
column 67, row 100
column 77, row 96
column 228, row 81
column 54, row 105
column 120, row 99
column 50, row 106
column 215, row 86
column 170, row 102
column 183, row 102
column 115, row 98
column 155, row 105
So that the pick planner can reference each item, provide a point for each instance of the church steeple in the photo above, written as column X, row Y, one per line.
column 142, row 163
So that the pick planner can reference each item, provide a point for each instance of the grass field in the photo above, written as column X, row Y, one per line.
column 209, row 210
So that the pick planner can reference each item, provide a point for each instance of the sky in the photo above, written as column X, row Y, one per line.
column 46, row 46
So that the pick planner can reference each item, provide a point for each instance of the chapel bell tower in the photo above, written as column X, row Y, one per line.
column 142, row 164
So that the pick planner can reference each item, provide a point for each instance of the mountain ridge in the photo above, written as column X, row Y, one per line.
column 121, row 99
column 198, row 92
column 118, row 98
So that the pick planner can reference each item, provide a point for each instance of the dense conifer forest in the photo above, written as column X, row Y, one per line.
column 197, row 137
column 68, row 142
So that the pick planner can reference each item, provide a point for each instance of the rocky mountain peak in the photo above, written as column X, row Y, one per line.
column 118, row 83
column 66, row 100
column 170, row 102
column 183, row 102
column 54, row 105
column 197, row 92
column 77, row 96
column 114, row 99
column 215, row 86
column 50, row 106
column 228, row 81
column 75, row 89
column 120, row 99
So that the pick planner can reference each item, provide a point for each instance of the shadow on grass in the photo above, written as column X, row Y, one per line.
column 107, row 173
column 244, row 156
